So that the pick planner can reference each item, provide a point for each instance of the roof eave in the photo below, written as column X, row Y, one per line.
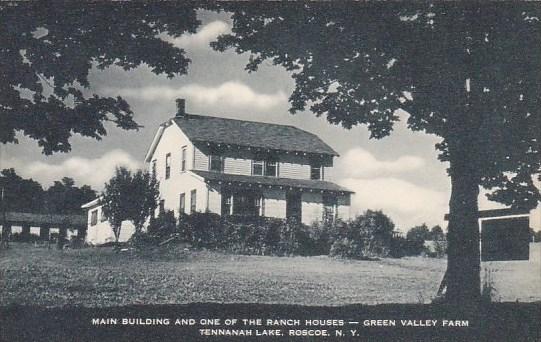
column 333, row 153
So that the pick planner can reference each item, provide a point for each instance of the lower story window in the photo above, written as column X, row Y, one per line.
column 242, row 203
column 94, row 217
column 182, row 206
column 329, row 208
column 193, row 201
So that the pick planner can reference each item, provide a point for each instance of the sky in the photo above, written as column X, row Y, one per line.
column 399, row 174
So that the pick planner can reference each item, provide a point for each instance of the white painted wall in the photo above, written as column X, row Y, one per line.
column 102, row 232
column 312, row 207
column 172, row 141
column 274, row 203
column 344, row 207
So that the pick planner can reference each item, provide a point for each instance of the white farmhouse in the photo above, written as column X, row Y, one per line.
column 244, row 168
column 241, row 168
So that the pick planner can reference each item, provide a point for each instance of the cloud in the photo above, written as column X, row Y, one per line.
column 94, row 172
column 358, row 162
column 204, row 36
column 406, row 203
column 233, row 93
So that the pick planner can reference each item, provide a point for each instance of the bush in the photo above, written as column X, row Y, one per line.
column 440, row 248
column 162, row 226
column 259, row 236
column 367, row 236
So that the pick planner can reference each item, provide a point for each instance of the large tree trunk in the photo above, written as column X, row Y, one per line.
column 463, row 263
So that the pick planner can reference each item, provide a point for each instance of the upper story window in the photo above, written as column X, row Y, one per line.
column 271, row 168
column 183, row 154
column 94, row 217
column 257, row 167
column 265, row 168
column 216, row 163
column 153, row 168
column 162, row 206
column 316, row 171
column 167, row 165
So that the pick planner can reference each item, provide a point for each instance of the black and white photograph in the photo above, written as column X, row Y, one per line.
column 295, row 171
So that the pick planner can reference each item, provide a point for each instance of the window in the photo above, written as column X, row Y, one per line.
column 226, row 203
column 183, row 158
column 94, row 217
column 257, row 168
column 167, row 165
column 315, row 172
column 162, row 206
column 242, row 203
column 154, row 172
column 329, row 208
column 267, row 168
column 182, row 206
column 193, row 201
column 216, row 163
column 247, row 203
column 259, row 209
column 271, row 169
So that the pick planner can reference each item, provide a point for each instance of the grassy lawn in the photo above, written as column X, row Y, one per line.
column 100, row 277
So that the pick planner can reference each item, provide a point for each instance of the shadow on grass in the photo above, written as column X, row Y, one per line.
column 492, row 322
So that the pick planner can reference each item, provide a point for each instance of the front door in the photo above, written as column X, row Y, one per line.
column 294, row 206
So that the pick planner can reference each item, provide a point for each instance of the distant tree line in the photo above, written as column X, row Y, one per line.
column 28, row 195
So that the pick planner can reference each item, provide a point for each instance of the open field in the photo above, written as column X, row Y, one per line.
column 99, row 277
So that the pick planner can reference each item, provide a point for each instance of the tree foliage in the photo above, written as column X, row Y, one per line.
column 20, row 194
column 27, row 195
column 419, row 233
column 367, row 235
column 63, row 197
column 47, row 50
column 467, row 73
column 129, row 197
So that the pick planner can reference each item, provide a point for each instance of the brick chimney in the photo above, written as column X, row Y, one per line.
column 181, row 108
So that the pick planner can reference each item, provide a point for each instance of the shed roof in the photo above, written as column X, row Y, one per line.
column 307, row 184
column 48, row 219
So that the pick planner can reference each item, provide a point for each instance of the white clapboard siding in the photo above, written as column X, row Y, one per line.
column 201, row 160
column 215, row 199
column 237, row 166
column 312, row 207
column 343, row 208
column 274, row 203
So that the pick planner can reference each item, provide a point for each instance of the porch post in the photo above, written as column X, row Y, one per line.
column 62, row 232
column 6, row 233
column 25, row 234
column 44, row 232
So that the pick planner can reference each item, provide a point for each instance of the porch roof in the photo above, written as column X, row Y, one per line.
column 302, row 184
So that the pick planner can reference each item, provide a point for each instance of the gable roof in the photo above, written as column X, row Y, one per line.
column 272, row 181
column 251, row 133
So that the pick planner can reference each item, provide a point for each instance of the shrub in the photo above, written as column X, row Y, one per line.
column 203, row 230
column 440, row 248
column 162, row 226
column 366, row 236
